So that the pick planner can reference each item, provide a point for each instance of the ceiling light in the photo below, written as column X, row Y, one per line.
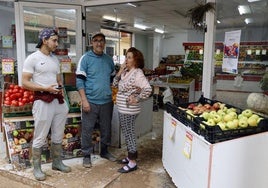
column 218, row 21
column 244, row 9
column 131, row 4
column 248, row 20
column 111, row 18
column 139, row 26
column 159, row 30
column 251, row 1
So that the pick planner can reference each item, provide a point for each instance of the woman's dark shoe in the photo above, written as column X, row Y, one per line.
column 123, row 161
column 128, row 169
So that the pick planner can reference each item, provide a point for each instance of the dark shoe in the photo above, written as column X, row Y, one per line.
column 123, row 161
column 108, row 156
column 87, row 162
column 122, row 170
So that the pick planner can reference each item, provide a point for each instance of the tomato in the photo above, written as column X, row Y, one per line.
column 31, row 98
column 25, row 100
column 26, row 94
column 21, row 91
column 20, row 103
column 11, row 86
column 16, row 87
column 15, row 90
column 7, row 102
column 14, row 103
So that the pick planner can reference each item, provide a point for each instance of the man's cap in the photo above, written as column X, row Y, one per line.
column 45, row 33
column 95, row 34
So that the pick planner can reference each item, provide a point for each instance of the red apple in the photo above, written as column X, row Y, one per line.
column 191, row 106
column 216, row 105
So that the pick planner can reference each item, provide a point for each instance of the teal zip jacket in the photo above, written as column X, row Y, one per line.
column 93, row 74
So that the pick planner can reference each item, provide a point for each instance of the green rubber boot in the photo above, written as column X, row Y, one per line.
column 57, row 163
column 37, row 171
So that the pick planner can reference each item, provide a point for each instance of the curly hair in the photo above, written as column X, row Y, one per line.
column 138, row 57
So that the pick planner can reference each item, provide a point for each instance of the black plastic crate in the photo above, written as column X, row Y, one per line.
column 181, row 115
column 214, row 134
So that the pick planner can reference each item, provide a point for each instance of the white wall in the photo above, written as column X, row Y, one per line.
column 172, row 45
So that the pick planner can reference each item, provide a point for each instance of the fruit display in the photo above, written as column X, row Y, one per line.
column 72, row 98
column 19, row 137
column 217, row 121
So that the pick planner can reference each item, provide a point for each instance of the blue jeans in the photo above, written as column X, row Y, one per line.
column 103, row 114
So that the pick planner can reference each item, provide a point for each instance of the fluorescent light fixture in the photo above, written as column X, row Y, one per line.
column 244, row 9
column 251, row 1
column 139, row 26
column 131, row 4
column 159, row 30
column 111, row 18
column 248, row 20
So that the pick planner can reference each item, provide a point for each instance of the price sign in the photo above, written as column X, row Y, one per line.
column 62, row 32
column 187, row 150
column 66, row 65
column 172, row 129
column 7, row 66
column 7, row 41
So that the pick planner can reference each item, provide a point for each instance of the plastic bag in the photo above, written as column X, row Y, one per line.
column 168, row 96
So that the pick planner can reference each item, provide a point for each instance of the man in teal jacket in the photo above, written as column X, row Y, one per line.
column 93, row 81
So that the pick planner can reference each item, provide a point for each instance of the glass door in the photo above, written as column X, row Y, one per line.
column 32, row 17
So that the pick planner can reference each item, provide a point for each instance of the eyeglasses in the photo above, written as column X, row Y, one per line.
column 98, row 41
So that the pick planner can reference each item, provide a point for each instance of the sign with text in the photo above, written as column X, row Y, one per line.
column 7, row 66
column 231, row 51
column 66, row 65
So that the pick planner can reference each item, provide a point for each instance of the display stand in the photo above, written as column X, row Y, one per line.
column 19, row 135
column 186, row 91
column 191, row 161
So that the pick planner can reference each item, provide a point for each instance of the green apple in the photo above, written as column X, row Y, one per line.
column 231, row 125
column 233, row 114
column 236, row 122
column 231, row 110
column 240, row 116
column 222, row 125
column 243, row 123
column 247, row 113
column 228, row 118
column 212, row 114
column 205, row 115
column 15, row 133
column 210, row 122
column 252, row 121
column 217, row 118
column 222, row 105
column 220, row 111
column 255, row 116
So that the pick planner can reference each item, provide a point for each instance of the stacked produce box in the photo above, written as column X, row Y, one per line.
column 19, row 136
column 217, row 121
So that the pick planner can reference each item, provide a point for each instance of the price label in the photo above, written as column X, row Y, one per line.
column 172, row 129
column 187, row 150
column 7, row 66
column 66, row 65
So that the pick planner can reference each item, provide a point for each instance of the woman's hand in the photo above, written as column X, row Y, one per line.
column 132, row 100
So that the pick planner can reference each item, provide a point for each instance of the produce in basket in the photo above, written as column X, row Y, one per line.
column 74, row 98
